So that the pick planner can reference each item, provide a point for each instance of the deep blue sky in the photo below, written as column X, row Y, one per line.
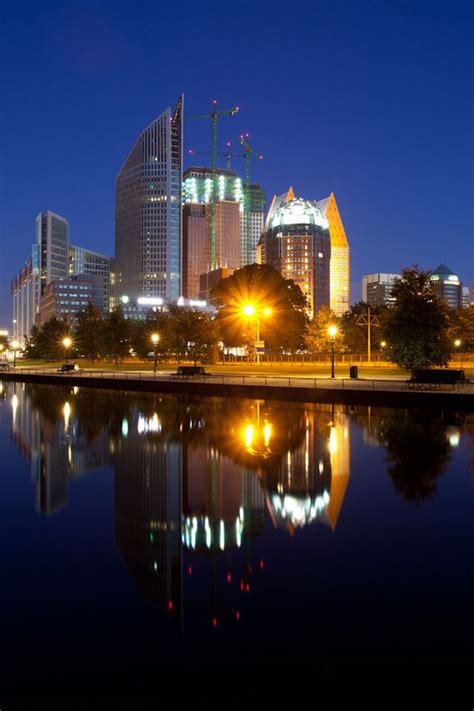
column 370, row 99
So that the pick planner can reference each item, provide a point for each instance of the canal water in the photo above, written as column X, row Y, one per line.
column 142, row 533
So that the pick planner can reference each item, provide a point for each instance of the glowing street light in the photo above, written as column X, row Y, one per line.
column 383, row 344
column 332, row 332
column 15, row 346
column 67, row 343
column 155, row 337
column 250, row 311
column 457, row 342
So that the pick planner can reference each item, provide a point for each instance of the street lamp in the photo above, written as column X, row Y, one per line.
column 332, row 331
column 154, row 339
column 250, row 311
column 15, row 346
column 457, row 342
column 67, row 343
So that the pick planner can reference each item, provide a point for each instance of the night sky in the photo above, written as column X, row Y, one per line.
column 373, row 100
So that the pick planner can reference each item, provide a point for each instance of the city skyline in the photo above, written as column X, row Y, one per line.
column 408, row 152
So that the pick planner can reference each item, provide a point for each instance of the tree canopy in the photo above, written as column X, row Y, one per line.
column 417, row 325
column 263, row 287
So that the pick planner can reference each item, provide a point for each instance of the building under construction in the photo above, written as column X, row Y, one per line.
column 232, row 221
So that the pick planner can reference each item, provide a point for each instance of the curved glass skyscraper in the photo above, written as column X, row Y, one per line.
column 148, row 211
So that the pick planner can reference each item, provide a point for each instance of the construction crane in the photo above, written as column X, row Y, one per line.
column 214, row 116
column 249, row 152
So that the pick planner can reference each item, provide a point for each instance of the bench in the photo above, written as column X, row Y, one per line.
column 425, row 376
column 190, row 371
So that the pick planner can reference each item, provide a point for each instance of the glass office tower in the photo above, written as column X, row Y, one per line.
column 148, row 211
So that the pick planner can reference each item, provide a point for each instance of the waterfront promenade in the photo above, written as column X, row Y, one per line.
column 383, row 387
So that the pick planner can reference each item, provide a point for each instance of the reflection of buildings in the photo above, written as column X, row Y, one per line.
column 309, row 482
column 223, row 501
column 192, row 480
column 148, row 487
column 53, row 445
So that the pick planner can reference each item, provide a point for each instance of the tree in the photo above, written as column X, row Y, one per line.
column 142, row 331
column 264, row 288
column 462, row 328
column 46, row 340
column 117, row 333
column 89, row 334
column 193, row 334
column 417, row 325
column 355, row 335
column 317, row 339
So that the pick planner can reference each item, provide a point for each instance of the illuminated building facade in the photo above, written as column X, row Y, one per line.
column 339, row 273
column 377, row 289
column 231, row 224
column 23, row 290
column 447, row 286
column 66, row 298
column 85, row 261
column 148, row 230
column 296, row 243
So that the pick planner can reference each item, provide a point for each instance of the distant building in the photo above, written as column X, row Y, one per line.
column 23, row 290
column 85, row 261
column 296, row 243
column 66, row 298
column 148, row 202
column 447, row 286
column 340, row 256
column 466, row 297
column 377, row 289
column 208, row 281
column 232, row 249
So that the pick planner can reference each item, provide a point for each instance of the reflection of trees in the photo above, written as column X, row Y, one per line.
column 418, row 451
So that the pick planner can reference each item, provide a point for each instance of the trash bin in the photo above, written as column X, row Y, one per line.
column 354, row 371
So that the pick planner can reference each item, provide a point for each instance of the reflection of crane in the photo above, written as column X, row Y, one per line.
column 249, row 151
column 214, row 116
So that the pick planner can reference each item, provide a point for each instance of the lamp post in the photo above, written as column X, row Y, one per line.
column 250, row 311
column 15, row 346
column 67, row 343
column 332, row 331
column 154, row 339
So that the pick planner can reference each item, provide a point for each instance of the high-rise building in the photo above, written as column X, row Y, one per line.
column 85, row 261
column 232, row 223
column 148, row 231
column 23, row 289
column 49, row 261
column 51, row 251
column 447, row 286
column 340, row 265
column 377, row 289
column 296, row 243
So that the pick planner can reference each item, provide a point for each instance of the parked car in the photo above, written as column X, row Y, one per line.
column 68, row 368
column 4, row 366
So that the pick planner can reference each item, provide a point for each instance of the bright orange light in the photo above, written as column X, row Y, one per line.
column 332, row 330
column 248, row 310
column 155, row 338
column 67, row 342
column 267, row 311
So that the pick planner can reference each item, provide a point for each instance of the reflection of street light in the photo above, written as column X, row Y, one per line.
column 154, row 339
column 332, row 331
column 249, row 310
column 15, row 346
column 67, row 343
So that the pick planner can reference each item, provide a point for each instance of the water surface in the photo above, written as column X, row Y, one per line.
column 141, row 531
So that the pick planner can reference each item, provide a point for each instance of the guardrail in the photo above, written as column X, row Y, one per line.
column 226, row 379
